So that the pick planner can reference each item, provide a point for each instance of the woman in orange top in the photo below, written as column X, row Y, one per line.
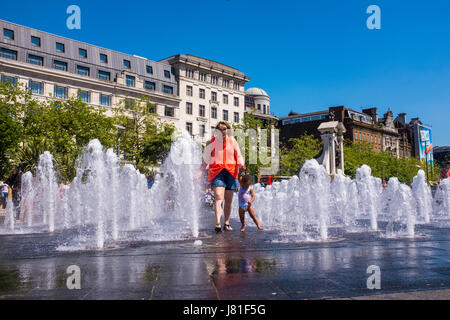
column 224, row 158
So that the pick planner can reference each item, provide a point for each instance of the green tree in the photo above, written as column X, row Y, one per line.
column 358, row 154
column 63, row 127
column 303, row 148
column 146, row 139
column 12, row 104
column 251, row 121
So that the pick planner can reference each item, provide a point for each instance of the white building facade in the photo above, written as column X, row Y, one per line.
column 209, row 92
column 191, row 92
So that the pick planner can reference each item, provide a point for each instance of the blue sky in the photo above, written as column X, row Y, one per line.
column 308, row 55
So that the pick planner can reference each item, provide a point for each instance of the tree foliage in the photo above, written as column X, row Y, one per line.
column 28, row 127
column 251, row 121
column 146, row 139
column 304, row 148
column 355, row 155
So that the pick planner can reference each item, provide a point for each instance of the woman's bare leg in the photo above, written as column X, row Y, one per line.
column 227, row 207
column 251, row 211
column 242, row 217
column 219, row 195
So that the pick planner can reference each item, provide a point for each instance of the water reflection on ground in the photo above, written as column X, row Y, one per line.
column 227, row 266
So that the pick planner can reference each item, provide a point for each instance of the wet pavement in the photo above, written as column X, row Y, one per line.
column 230, row 265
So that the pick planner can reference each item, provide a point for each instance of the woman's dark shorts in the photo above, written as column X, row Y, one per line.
column 225, row 179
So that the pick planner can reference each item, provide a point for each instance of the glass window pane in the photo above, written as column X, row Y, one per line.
column 9, row 79
column 8, row 34
column 36, row 87
column 104, row 75
column 130, row 81
column 84, row 96
column 8, row 54
column 149, row 85
column 84, row 71
column 82, row 53
column 60, row 92
column 60, row 65
column 105, row 100
column 168, row 89
column 39, row 61
column 60, row 47
column 35, row 41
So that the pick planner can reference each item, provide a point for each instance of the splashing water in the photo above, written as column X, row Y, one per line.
column 424, row 199
column 106, row 202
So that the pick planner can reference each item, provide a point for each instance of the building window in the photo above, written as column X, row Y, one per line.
column 36, row 87
column 190, row 73
column 189, row 91
column 201, row 110
column 259, row 107
column 225, row 99
column 201, row 93
column 149, row 85
column 103, row 58
column 167, row 74
column 264, row 108
column 214, row 112
column 9, row 79
column 149, row 69
column 202, row 76
column 202, row 130
column 152, row 108
column 225, row 83
column 59, row 65
column 60, row 47
column 236, row 102
column 35, row 41
column 188, row 108
column 82, row 53
column 105, row 100
column 104, row 75
column 225, row 115
column 8, row 54
column 213, row 96
column 168, row 89
column 84, row 71
column 84, row 96
column 39, row 61
column 236, row 117
column 214, row 79
column 60, row 92
column 169, row 112
column 129, row 103
column 130, row 81
column 8, row 34
column 236, row 85
column 126, row 64
column 189, row 127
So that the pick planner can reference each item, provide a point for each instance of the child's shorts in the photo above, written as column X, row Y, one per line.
column 225, row 179
column 244, row 206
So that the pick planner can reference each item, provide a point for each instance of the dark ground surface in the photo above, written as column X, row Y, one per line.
column 230, row 265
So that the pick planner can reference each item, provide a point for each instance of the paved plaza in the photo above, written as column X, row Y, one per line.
column 230, row 265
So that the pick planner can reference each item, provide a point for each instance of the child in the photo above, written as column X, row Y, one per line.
column 246, row 196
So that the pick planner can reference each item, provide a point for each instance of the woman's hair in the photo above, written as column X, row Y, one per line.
column 225, row 123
